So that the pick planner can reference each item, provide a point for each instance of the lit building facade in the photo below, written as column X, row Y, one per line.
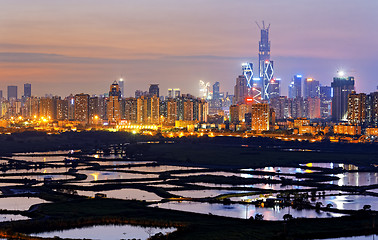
column 342, row 87
column 82, row 108
column 114, row 105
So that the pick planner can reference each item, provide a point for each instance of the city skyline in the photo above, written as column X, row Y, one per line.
column 61, row 50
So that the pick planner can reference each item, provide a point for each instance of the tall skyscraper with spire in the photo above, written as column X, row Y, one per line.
column 266, row 71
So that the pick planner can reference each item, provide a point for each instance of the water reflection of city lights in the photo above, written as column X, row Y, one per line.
column 95, row 176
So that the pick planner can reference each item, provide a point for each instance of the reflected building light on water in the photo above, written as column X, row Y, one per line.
column 95, row 176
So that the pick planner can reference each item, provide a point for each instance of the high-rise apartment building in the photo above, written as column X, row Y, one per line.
column 342, row 87
column 114, row 104
column 62, row 109
column 131, row 109
column 81, row 111
column 12, row 92
column 171, row 112
column 372, row 109
column 260, row 117
column 153, row 112
column 142, row 110
column 356, row 108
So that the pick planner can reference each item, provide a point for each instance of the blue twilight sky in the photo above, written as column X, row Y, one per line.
column 72, row 46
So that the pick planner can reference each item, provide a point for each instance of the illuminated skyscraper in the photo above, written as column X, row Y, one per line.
column 266, row 71
column 216, row 91
column 153, row 112
column 260, row 117
column 114, row 106
column 142, row 110
column 356, row 108
column 295, row 87
column 274, row 88
column 122, row 87
column 325, row 101
column 204, row 89
column 247, row 69
column 372, row 109
column 82, row 108
column 342, row 87
column 171, row 112
column 311, row 88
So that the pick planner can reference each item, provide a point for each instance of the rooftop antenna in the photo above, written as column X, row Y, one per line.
column 263, row 25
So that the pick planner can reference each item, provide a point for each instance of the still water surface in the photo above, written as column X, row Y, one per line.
column 107, row 232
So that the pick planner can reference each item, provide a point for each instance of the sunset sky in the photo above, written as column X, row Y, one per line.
column 74, row 46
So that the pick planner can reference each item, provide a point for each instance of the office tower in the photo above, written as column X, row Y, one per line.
column 274, row 88
column 131, row 109
column 356, row 108
column 266, row 71
column 247, row 71
column 82, row 108
column 142, row 106
column 216, row 91
column 342, row 87
column 12, row 92
column 154, row 90
column 113, row 104
column 325, row 101
column 295, row 87
column 1, row 95
column 311, row 88
column 27, row 90
column 240, row 90
column 260, row 117
column 372, row 109
column 122, row 87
